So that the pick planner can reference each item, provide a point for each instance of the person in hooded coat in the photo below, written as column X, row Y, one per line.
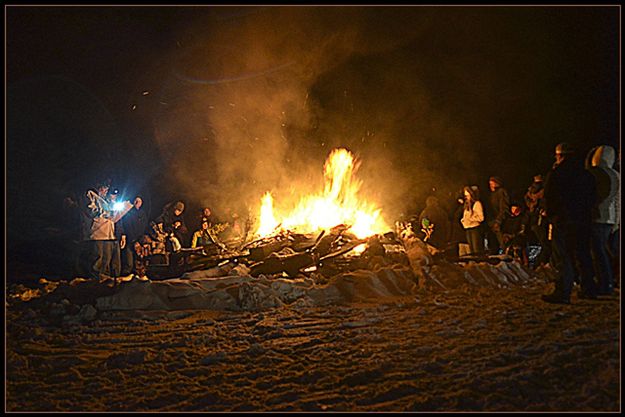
column 605, row 214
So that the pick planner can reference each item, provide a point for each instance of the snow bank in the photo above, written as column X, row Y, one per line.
column 231, row 288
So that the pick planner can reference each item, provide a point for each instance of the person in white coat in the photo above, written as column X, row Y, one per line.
column 606, row 213
column 472, row 219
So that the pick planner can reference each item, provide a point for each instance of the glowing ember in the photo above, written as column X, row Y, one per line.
column 337, row 204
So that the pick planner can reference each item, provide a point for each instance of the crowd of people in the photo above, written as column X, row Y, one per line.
column 571, row 216
column 117, row 239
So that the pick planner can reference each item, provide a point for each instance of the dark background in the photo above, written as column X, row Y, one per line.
column 215, row 105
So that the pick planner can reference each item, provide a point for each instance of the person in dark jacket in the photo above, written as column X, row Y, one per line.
column 499, row 206
column 514, row 230
column 135, row 224
column 570, row 194
column 119, row 244
column 538, row 224
column 173, row 221
column 438, row 223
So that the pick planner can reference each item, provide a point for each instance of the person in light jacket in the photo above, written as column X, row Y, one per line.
column 472, row 218
column 605, row 213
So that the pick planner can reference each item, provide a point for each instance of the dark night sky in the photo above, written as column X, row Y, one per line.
column 217, row 105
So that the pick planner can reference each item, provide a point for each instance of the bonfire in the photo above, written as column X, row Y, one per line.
column 339, row 203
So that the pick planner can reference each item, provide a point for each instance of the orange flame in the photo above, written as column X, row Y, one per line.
column 337, row 204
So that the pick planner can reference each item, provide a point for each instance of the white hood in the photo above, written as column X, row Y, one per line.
column 604, row 156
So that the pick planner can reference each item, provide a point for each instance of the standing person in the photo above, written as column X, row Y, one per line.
column 499, row 205
column 120, row 238
column 614, row 243
column 570, row 194
column 438, row 220
column 472, row 218
column 538, row 224
column 134, row 224
column 606, row 213
column 458, row 235
column 101, row 230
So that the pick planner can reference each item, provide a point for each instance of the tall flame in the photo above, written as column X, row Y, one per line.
column 337, row 204
column 268, row 222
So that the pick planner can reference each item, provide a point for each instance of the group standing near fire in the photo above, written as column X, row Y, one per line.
column 571, row 215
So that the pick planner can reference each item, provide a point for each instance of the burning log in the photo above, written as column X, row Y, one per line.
column 286, row 260
column 206, row 262
column 291, row 261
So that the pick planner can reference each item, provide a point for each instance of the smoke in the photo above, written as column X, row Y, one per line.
column 258, row 97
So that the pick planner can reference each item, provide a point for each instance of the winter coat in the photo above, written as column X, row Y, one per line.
column 535, row 202
column 169, row 218
column 474, row 217
column 135, row 223
column 102, row 228
column 570, row 193
column 98, row 219
column 201, row 238
column 608, row 181
column 513, row 225
column 442, row 226
column 499, row 204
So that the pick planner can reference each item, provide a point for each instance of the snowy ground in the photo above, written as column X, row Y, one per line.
column 473, row 346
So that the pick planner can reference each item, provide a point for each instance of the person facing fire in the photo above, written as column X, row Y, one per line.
column 438, row 226
column 120, row 239
column 135, row 224
column 472, row 218
column 173, row 221
column 206, row 214
column 514, row 228
column 535, row 208
column 499, row 206
column 202, row 236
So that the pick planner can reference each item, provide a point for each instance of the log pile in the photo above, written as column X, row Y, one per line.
column 331, row 253
column 290, row 254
